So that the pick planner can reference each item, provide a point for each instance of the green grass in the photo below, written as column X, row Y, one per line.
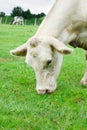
column 21, row 108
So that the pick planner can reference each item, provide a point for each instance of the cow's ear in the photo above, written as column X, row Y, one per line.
column 19, row 51
column 60, row 47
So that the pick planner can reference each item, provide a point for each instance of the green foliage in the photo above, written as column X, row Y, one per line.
column 39, row 15
column 21, row 108
column 27, row 14
column 2, row 14
column 17, row 11
column 6, row 20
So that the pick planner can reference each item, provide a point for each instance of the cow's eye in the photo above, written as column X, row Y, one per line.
column 49, row 62
column 34, row 55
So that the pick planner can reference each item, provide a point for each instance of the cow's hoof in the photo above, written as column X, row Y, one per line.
column 46, row 91
column 83, row 82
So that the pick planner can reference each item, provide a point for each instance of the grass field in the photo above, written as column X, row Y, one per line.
column 21, row 108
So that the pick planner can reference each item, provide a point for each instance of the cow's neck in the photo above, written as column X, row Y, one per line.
column 62, row 22
column 58, row 18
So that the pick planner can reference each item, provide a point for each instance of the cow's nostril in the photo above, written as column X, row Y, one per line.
column 49, row 61
column 47, row 91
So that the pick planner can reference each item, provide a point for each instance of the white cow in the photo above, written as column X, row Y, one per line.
column 66, row 23
column 17, row 20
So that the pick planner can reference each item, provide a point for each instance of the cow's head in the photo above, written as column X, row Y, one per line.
column 44, row 55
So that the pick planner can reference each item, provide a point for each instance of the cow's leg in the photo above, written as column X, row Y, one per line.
column 84, row 79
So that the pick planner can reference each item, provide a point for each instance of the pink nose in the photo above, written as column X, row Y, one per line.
column 45, row 91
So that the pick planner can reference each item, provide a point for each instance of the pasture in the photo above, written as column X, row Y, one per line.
column 21, row 108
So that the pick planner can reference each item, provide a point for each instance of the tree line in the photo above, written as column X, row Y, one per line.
column 18, row 11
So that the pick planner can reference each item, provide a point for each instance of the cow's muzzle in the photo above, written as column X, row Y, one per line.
column 45, row 90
